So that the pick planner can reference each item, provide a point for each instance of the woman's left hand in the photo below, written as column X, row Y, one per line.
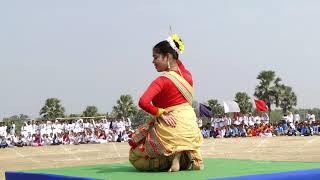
column 168, row 119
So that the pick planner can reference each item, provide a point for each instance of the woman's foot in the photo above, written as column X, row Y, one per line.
column 175, row 166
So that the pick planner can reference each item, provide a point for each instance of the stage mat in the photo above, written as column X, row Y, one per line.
column 214, row 168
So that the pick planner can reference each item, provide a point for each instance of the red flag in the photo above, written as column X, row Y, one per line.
column 261, row 105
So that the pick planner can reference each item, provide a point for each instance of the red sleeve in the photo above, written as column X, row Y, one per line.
column 145, row 101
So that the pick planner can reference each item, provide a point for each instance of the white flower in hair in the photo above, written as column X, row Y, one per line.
column 172, row 40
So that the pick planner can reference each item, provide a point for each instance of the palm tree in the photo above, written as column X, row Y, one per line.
column 272, row 91
column 243, row 101
column 52, row 109
column 125, row 107
column 265, row 90
column 90, row 111
column 277, row 91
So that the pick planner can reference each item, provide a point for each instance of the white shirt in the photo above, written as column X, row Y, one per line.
column 296, row 118
column 312, row 118
column 290, row 118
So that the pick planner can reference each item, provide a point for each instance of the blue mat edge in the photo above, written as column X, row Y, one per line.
column 11, row 175
column 292, row 175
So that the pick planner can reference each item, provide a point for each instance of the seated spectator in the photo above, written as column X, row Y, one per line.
column 205, row 132
column 55, row 140
column 249, row 131
column 306, row 130
column 125, row 137
column 37, row 140
column 278, row 131
column 94, row 138
column 103, row 137
column 242, row 131
column 19, row 142
column 229, row 132
column 66, row 139
column 266, row 132
column 10, row 141
column 315, row 128
column 214, row 132
column 256, row 130
column 292, row 131
column 3, row 142
column 235, row 131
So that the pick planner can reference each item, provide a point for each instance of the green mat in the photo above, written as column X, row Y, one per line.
column 214, row 168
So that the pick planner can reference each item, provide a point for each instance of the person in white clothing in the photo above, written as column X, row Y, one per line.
column 43, row 127
column 120, row 127
column 29, row 128
column 251, row 121
column 265, row 118
column 257, row 119
column 228, row 121
column 24, row 132
column 56, row 127
column 129, row 123
column 49, row 127
column 290, row 117
column 12, row 129
column 312, row 118
column 216, row 123
column 296, row 117
column 244, row 120
column 3, row 129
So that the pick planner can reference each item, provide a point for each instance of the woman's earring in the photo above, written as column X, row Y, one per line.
column 168, row 65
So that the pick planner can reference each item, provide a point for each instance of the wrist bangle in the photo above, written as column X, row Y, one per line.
column 160, row 112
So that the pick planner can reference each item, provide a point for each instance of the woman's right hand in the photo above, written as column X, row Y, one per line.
column 168, row 119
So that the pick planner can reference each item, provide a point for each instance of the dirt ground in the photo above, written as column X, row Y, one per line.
column 302, row 149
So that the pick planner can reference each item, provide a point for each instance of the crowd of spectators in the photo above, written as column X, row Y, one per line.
column 77, row 131
column 259, row 125
column 90, row 131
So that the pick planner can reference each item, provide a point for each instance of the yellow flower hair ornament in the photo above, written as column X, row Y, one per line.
column 173, row 40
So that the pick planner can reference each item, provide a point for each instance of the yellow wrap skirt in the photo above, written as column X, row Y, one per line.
column 155, row 142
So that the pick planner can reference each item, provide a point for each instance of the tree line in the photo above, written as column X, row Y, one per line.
column 269, row 89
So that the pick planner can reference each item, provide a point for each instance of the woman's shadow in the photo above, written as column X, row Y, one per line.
column 121, row 168
column 115, row 169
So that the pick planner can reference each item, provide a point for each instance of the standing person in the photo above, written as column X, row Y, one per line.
column 172, row 140
column 12, row 129
column 296, row 117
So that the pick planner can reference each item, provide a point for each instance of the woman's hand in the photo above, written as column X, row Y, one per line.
column 168, row 119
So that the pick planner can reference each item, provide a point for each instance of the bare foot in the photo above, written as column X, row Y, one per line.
column 175, row 166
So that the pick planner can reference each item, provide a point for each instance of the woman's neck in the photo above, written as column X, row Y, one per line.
column 174, row 66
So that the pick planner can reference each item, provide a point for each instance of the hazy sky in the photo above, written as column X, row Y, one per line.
column 91, row 52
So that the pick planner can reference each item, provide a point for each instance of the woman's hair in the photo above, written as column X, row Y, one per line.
column 164, row 47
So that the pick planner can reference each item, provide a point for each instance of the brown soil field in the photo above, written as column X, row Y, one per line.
column 298, row 149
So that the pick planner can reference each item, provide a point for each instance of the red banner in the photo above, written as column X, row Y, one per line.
column 261, row 105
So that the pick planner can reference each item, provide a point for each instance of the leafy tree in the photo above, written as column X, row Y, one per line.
column 20, row 117
column 52, row 109
column 217, row 108
column 90, row 111
column 75, row 115
column 140, row 117
column 125, row 107
column 243, row 101
column 288, row 99
column 18, row 120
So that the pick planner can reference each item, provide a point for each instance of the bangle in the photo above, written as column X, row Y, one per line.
column 160, row 112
